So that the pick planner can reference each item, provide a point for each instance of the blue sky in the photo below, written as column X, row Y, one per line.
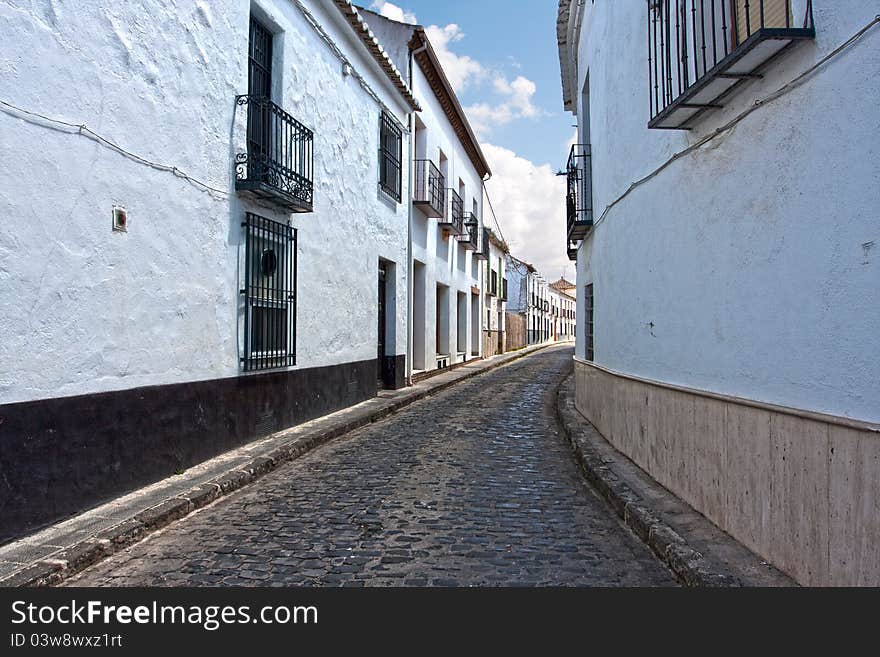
column 516, row 39
column 501, row 57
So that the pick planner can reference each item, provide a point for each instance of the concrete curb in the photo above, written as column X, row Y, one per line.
column 65, row 563
column 689, row 566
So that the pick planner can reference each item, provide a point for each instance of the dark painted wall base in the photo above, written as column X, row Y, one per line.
column 62, row 456
column 394, row 372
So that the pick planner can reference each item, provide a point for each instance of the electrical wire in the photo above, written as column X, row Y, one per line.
column 85, row 131
column 494, row 216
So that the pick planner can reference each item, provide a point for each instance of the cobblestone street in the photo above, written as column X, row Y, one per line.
column 473, row 486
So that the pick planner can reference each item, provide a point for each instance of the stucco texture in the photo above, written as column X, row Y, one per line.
column 746, row 267
column 85, row 309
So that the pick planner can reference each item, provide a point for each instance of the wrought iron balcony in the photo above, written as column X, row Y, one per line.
column 471, row 238
column 572, row 249
column 453, row 219
column 699, row 51
column 279, row 161
column 429, row 190
column 482, row 252
column 579, row 197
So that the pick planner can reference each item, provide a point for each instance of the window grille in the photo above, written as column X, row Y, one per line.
column 269, row 294
column 390, row 157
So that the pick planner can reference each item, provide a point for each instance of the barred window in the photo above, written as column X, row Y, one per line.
column 270, row 294
column 390, row 156
column 588, row 320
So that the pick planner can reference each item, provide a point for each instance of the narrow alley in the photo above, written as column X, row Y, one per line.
column 472, row 486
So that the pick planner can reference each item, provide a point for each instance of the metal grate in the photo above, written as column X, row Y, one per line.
column 390, row 156
column 588, row 320
column 269, row 294
column 259, row 60
column 429, row 189
column 579, row 193
column 279, row 160
column 699, row 50
column 454, row 217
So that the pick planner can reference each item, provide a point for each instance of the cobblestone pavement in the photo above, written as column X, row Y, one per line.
column 473, row 486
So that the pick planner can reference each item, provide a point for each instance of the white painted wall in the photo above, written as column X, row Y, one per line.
column 446, row 262
column 84, row 309
column 741, row 269
column 493, row 313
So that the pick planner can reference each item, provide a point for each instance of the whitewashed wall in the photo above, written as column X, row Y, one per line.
column 446, row 262
column 741, row 268
column 84, row 309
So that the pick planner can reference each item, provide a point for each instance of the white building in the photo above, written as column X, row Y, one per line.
column 563, row 310
column 529, row 296
column 722, row 206
column 448, row 173
column 199, row 244
column 495, row 294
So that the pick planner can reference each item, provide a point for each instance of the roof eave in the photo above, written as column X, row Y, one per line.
column 563, row 23
column 363, row 31
column 455, row 114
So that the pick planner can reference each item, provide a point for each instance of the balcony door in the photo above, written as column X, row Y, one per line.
column 259, row 92
column 748, row 21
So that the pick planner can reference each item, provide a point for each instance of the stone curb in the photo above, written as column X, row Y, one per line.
column 71, row 560
column 689, row 566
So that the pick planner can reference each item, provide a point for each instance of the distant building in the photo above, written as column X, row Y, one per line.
column 529, row 296
column 563, row 303
column 446, row 226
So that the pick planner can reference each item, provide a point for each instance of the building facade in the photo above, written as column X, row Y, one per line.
column 529, row 295
column 563, row 307
column 195, row 187
column 728, row 297
column 448, row 172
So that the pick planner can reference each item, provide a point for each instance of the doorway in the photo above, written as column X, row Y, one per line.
column 383, row 310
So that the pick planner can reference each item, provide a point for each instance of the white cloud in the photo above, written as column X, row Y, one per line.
column 529, row 200
column 516, row 103
column 460, row 69
column 395, row 13
column 510, row 99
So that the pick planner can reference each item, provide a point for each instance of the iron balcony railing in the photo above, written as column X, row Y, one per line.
column 700, row 50
column 482, row 252
column 579, row 195
column 471, row 238
column 453, row 219
column 571, row 249
column 429, row 190
column 279, row 160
